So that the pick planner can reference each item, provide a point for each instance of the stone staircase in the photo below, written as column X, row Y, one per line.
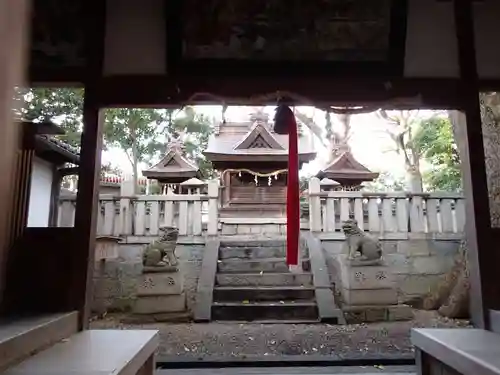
column 253, row 283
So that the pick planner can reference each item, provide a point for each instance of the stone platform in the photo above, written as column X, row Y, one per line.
column 369, row 292
column 160, row 295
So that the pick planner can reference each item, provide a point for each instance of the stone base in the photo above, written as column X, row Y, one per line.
column 160, row 304
column 161, row 283
column 157, row 318
column 370, row 313
column 387, row 296
column 376, row 276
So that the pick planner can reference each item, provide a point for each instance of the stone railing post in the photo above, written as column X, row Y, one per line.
column 213, row 208
column 126, row 213
column 314, row 205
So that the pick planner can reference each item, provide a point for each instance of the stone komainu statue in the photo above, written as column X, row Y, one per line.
column 357, row 241
column 161, row 253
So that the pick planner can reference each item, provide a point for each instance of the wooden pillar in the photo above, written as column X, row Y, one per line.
column 13, row 27
column 482, row 255
column 86, row 206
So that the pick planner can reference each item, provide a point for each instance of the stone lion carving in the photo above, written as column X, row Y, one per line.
column 357, row 241
column 161, row 252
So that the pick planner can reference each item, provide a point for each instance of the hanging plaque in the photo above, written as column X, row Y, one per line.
column 286, row 32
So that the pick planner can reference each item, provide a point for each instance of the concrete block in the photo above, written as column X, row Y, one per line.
column 243, row 229
column 389, row 247
column 374, row 314
column 130, row 252
column 416, row 285
column 398, row 263
column 160, row 304
column 432, row 265
column 415, row 247
column 364, row 277
column 229, row 229
column 164, row 283
column 255, row 229
column 387, row 296
column 399, row 312
column 445, row 248
column 271, row 228
column 333, row 248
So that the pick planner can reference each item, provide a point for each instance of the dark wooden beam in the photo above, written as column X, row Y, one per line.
column 482, row 256
column 162, row 91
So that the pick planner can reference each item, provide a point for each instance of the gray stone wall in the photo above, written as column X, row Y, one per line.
column 417, row 264
column 115, row 281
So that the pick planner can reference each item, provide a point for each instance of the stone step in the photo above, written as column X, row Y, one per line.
column 245, row 252
column 264, row 279
column 256, row 265
column 248, row 242
column 269, row 310
column 263, row 293
column 251, row 252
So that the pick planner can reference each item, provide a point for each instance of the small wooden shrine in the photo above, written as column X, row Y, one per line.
column 174, row 168
column 252, row 160
column 347, row 171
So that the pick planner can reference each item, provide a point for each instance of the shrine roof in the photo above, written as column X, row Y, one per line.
column 246, row 139
column 345, row 166
column 193, row 182
column 173, row 164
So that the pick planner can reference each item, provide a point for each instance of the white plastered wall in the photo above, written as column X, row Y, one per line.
column 40, row 193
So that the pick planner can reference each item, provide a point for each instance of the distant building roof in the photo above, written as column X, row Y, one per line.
column 253, row 140
column 193, row 182
column 346, row 168
column 174, row 166
column 63, row 152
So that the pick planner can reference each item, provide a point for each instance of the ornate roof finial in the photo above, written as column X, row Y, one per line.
column 177, row 144
column 259, row 116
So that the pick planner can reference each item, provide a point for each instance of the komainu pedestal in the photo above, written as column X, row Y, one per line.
column 369, row 292
column 160, row 293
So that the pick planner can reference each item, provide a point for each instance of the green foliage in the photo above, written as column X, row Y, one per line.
column 385, row 182
column 434, row 138
column 63, row 106
column 133, row 130
column 142, row 134
column 194, row 129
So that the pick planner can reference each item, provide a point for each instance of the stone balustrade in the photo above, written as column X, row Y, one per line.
column 385, row 213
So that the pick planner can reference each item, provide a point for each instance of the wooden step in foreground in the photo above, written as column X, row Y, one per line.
column 103, row 352
column 21, row 337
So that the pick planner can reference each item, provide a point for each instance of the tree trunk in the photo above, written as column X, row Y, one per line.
column 414, row 179
column 135, row 168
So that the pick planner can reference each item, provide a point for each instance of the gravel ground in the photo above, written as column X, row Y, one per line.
column 235, row 341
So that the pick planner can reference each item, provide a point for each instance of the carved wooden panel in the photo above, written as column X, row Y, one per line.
column 306, row 37
column 287, row 30
column 57, row 35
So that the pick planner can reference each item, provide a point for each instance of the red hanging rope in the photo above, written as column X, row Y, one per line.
column 285, row 123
